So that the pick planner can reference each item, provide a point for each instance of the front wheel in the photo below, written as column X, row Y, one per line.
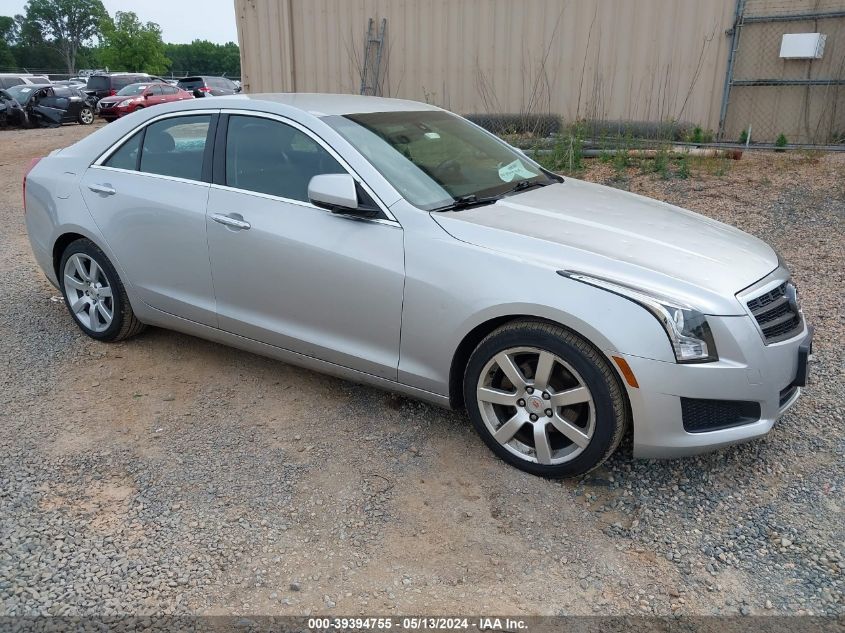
column 86, row 116
column 544, row 399
column 94, row 294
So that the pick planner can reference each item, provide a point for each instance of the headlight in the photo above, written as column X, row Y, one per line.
column 124, row 103
column 686, row 327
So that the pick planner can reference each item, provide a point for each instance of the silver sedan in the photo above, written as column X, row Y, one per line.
column 396, row 244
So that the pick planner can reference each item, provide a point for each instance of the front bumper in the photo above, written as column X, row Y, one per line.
column 112, row 113
column 748, row 370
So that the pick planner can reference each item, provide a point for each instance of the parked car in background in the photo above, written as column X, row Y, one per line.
column 204, row 86
column 397, row 244
column 11, row 112
column 7, row 80
column 109, row 84
column 79, row 84
column 51, row 105
column 136, row 96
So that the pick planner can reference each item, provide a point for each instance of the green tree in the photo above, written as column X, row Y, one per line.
column 204, row 57
column 129, row 44
column 8, row 38
column 9, row 30
column 68, row 23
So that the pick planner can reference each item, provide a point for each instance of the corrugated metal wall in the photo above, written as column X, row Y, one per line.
column 608, row 59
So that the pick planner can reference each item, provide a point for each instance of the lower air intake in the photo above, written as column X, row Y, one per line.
column 700, row 416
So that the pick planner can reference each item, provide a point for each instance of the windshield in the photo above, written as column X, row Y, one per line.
column 21, row 94
column 132, row 89
column 434, row 158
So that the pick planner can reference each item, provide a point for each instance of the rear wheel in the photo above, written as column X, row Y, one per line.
column 86, row 116
column 94, row 294
column 544, row 399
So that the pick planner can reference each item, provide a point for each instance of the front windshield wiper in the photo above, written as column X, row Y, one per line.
column 522, row 185
column 465, row 202
column 473, row 200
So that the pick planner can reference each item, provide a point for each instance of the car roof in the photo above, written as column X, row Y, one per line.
column 321, row 105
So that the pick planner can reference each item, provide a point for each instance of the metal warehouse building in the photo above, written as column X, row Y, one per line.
column 722, row 64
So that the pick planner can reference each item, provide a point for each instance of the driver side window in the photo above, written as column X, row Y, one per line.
column 271, row 157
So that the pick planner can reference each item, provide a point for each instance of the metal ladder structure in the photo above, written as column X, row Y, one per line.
column 371, row 68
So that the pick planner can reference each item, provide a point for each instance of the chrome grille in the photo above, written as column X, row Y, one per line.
column 776, row 312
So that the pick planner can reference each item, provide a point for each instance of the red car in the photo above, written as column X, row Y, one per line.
column 136, row 96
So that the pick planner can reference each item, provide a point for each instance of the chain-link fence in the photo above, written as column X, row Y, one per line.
column 794, row 100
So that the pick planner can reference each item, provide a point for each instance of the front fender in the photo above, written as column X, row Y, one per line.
column 452, row 287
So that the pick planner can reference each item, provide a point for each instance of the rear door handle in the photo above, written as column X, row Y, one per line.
column 105, row 189
column 228, row 220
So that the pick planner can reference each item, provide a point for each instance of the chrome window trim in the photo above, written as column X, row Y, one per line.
column 134, row 172
column 768, row 283
column 389, row 218
column 317, row 139
column 119, row 143
column 301, row 203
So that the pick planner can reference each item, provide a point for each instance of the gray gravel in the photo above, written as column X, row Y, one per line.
column 171, row 475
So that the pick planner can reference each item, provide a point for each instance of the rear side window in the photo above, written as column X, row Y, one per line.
column 127, row 156
column 175, row 147
column 270, row 157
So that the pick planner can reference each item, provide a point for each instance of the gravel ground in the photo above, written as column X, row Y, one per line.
column 171, row 475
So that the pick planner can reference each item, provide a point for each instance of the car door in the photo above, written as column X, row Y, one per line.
column 44, row 104
column 153, row 95
column 289, row 273
column 75, row 104
column 148, row 197
column 170, row 93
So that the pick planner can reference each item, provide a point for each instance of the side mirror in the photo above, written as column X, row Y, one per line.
column 339, row 194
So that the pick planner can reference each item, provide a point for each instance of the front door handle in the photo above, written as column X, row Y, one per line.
column 105, row 189
column 228, row 220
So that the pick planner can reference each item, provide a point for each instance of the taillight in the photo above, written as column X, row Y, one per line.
column 112, row 93
column 205, row 89
column 32, row 163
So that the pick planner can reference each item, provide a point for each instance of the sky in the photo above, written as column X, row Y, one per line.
column 181, row 21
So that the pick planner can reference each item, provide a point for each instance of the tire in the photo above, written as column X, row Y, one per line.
column 90, row 305
column 86, row 116
column 563, row 414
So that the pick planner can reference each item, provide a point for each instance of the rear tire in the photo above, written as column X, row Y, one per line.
column 95, row 295
column 86, row 116
column 544, row 399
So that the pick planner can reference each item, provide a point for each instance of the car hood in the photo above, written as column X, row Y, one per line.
column 622, row 236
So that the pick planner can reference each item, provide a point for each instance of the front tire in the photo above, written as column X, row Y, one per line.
column 86, row 116
column 94, row 294
column 544, row 399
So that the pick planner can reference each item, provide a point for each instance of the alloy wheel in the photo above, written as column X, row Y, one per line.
column 86, row 116
column 88, row 292
column 536, row 405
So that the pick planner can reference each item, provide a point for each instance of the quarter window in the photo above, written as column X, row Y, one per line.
column 175, row 147
column 270, row 157
column 127, row 156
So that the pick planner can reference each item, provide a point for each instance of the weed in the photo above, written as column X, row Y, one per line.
column 743, row 137
column 683, row 167
column 660, row 163
column 781, row 143
column 699, row 135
